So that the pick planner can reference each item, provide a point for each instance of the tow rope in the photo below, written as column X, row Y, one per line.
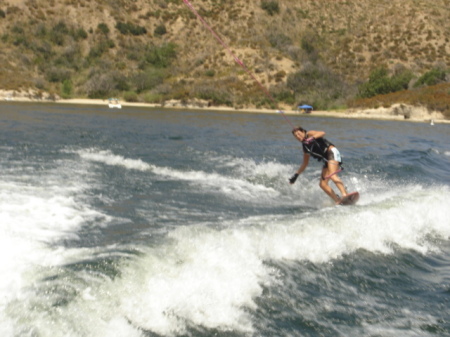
column 236, row 59
column 332, row 174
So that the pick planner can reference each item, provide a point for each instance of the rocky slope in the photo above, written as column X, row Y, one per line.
column 153, row 50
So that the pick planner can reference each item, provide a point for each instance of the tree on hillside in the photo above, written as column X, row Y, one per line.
column 432, row 77
column 380, row 83
column 318, row 85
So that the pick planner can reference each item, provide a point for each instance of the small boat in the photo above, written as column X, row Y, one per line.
column 432, row 122
column 113, row 103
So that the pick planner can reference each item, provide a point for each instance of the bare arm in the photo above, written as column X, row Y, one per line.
column 315, row 134
column 304, row 164
column 301, row 169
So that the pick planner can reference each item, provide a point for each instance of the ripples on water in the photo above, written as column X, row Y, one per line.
column 171, row 223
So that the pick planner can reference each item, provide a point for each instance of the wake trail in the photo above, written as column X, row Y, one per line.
column 229, row 185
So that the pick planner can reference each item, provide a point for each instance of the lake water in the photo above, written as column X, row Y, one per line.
column 140, row 222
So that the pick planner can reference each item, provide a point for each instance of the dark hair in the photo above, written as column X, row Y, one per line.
column 298, row 128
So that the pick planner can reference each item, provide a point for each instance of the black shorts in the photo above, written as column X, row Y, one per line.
column 333, row 154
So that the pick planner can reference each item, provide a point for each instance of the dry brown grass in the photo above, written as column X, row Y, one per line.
column 351, row 37
column 435, row 98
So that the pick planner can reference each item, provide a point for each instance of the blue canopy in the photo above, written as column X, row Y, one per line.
column 304, row 106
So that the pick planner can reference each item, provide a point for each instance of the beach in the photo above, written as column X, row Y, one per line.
column 399, row 112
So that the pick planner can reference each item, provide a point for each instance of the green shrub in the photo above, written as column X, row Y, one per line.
column 380, row 83
column 215, row 96
column 318, row 84
column 122, row 27
column 279, row 40
column 160, row 30
column 282, row 94
column 280, row 75
column 210, row 73
column 18, row 35
column 147, row 80
column 103, row 28
column 67, row 88
column 311, row 77
column 432, row 77
column 80, row 34
column 96, row 51
column 153, row 98
column 309, row 44
column 130, row 29
column 100, row 48
column 162, row 56
column 12, row 10
column 130, row 96
column 401, row 80
column 58, row 33
column 60, row 28
column 100, row 86
column 57, row 74
column 20, row 40
column 121, row 82
column 17, row 29
column 271, row 7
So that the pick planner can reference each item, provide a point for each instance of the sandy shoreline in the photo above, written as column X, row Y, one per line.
column 398, row 112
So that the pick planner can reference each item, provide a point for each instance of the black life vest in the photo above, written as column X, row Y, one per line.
column 317, row 148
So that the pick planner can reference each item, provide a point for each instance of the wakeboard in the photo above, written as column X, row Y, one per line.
column 350, row 199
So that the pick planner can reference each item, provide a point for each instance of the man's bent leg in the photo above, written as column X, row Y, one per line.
column 326, row 188
column 333, row 167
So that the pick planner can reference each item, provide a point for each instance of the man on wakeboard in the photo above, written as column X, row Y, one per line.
column 321, row 149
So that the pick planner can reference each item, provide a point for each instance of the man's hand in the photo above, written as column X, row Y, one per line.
column 309, row 140
column 293, row 178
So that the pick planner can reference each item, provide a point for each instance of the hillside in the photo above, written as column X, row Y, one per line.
column 315, row 51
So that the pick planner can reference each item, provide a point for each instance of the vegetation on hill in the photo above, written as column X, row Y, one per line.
column 436, row 98
column 327, row 54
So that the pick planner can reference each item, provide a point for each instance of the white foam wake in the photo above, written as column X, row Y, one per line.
column 211, row 278
column 108, row 158
column 37, row 214
column 236, row 186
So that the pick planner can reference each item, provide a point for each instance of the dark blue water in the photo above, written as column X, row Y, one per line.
column 182, row 223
